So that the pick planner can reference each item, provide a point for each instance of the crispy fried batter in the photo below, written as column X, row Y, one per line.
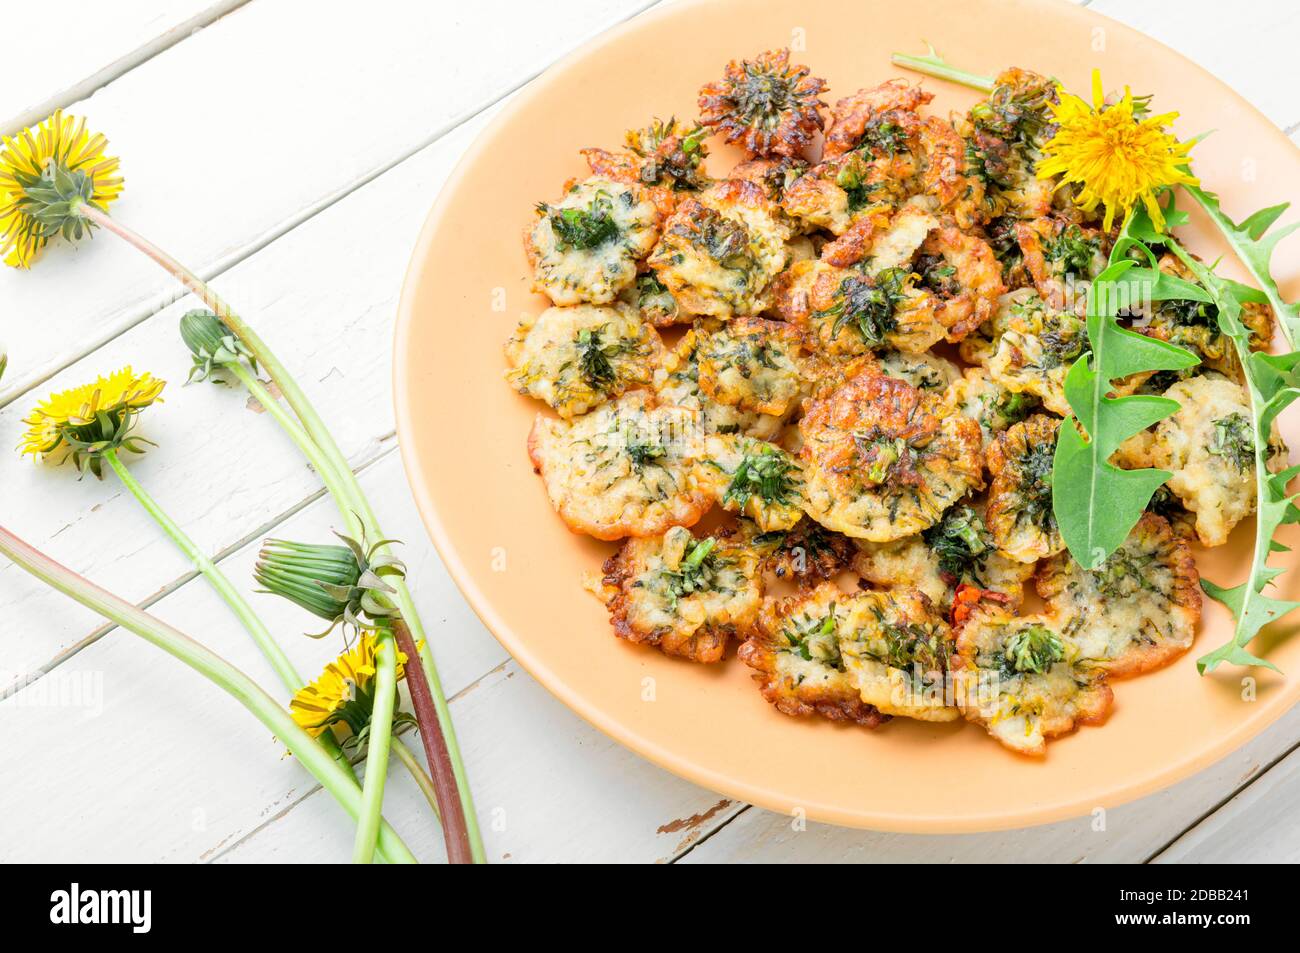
column 628, row 468
column 768, row 105
column 1209, row 448
column 796, row 655
column 852, row 115
column 756, row 479
column 1017, row 677
column 883, row 460
column 1138, row 611
column 575, row 358
column 751, row 363
column 586, row 247
column 719, row 253
column 678, row 382
column 684, row 596
column 664, row 158
column 807, row 553
column 896, row 648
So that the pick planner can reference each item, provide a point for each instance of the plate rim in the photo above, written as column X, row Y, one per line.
column 726, row 784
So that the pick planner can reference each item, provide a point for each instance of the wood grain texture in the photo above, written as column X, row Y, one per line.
column 311, row 241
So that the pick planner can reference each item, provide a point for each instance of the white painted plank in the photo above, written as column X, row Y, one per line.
column 1250, row 46
column 148, row 739
column 1132, row 832
column 1258, row 826
column 324, row 297
column 59, row 51
column 230, row 138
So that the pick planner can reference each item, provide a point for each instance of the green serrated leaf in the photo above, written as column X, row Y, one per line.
column 1253, row 244
column 1272, row 384
column 1096, row 503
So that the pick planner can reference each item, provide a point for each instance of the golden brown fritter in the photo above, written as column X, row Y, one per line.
column 796, row 654
column 883, row 460
column 1006, row 133
column 719, row 253
column 896, row 649
column 1208, row 446
column 846, row 313
column 855, row 116
column 678, row 382
column 1062, row 258
column 1033, row 348
column 1019, row 512
column 1138, row 611
column 988, row 402
column 586, row 247
column 1018, row 678
column 752, row 364
column 575, row 358
column 806, row 554
column 683, row 595
column 629, row 468
column 768, row 105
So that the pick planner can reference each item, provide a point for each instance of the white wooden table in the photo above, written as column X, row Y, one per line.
column 290, row 149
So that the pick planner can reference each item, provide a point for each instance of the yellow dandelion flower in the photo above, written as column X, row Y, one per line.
column 91, row 417
column 1115, row 157
column 344, row 693
column 45, row 172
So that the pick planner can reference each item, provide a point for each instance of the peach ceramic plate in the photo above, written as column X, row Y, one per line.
column 463, row 430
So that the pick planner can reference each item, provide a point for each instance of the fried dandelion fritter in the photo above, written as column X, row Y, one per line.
column 628, row 468
column 752, row 364
column 883, row 460
column 586, row 247
column 795, row 653
column 719, row 252
column 1020, row 513
column 1137, row 611
column 767, row 105
column 664, row 158
column 677, row 382
column 756, row 479
column 575, row 358
column 896, row 649
column 683, row 595
column 956, row 552
column 1208, row 445
column 1016, row 677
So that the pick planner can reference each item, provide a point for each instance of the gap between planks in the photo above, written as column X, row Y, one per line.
column 96, row 81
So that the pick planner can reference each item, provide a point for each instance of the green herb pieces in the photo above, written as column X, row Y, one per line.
column 696, row 573
column 867, row 305
column 1072, row 249
column 1095, row 502
column 1032, row 650
column 960, row 541
column 1234, row 440
column 582, row 228
column 765, row 472
column 595, row 358
column 814, row 639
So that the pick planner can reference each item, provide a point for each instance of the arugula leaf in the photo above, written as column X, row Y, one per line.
column 1254, row 247
column 1096, row 504
column 1272, row 383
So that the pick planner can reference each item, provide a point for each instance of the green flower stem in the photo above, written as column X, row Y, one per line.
column 418, row 774
column 377, row 747
column 933, row 65
column 219, row 581
column 343, row 486
column 460, row 836
column 332, row 776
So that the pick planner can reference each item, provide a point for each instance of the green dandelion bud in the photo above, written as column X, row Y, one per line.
column 341, row 584
column 213, row 345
